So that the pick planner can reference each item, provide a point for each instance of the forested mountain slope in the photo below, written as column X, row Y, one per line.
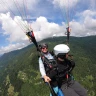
column 20, row 76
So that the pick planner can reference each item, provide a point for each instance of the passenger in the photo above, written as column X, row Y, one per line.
column 47, row 70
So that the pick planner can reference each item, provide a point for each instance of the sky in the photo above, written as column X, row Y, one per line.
column 47, row 18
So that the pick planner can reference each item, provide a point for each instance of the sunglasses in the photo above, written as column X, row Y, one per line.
column 44, row 48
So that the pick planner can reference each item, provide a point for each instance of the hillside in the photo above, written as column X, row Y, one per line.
column 19, row 73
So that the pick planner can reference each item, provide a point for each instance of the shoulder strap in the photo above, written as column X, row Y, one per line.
column 52, row 53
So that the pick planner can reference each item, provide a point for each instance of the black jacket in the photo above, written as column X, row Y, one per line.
column 64, row 71
column 63, row 68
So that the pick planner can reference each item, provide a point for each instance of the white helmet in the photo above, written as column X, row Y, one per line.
column 61, row 49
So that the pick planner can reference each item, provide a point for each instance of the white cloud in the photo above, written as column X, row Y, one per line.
column 90, row 23
column 83, row 25
column 87, row 13
column 11, row 47
column 87, row 21
column 65, row 3
column 77, row 29
column 13, row 28
column 43, row 29
column 86, row 26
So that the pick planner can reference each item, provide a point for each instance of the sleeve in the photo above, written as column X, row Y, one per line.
column 41, row 67
column 72, row 65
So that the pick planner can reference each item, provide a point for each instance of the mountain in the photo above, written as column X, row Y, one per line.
column 19, row 70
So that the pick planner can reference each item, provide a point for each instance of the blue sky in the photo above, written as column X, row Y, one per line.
column 47, row 18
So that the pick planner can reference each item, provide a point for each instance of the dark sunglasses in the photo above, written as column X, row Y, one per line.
column 44, row 47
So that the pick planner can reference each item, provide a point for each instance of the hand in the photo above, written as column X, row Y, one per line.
column 47, row 79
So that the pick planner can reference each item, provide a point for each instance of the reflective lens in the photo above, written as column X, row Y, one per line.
column 44, row 47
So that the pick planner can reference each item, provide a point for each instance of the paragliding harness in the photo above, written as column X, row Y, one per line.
column 69, row 75
column 65, row 75
column 31, row 36
column 49, row 64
